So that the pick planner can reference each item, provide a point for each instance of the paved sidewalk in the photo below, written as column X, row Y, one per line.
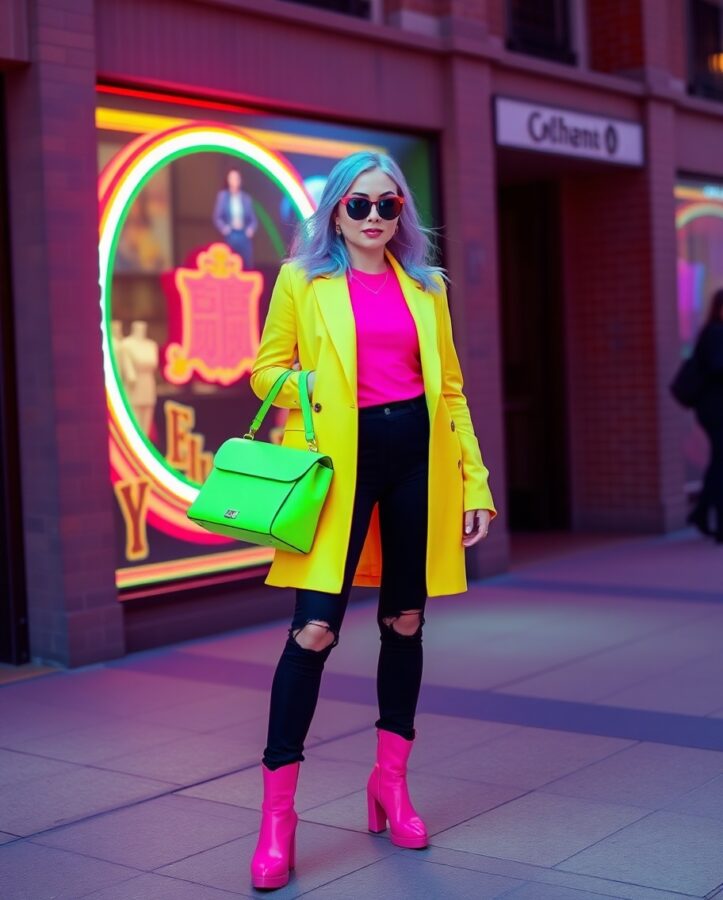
column 570, row 747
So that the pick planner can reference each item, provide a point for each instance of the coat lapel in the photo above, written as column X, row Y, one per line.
column 421, row 306
column 332, row 294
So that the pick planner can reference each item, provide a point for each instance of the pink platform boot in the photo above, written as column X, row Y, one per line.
column 276, row 847
column 388, row 796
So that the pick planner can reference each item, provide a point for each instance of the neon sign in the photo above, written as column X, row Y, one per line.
column 215, row 320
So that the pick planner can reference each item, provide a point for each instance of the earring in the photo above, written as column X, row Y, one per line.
column 338, row 229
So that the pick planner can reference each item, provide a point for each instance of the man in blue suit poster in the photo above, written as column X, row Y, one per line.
column 234, row 217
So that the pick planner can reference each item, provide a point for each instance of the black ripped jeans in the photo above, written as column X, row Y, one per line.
column 392, row 469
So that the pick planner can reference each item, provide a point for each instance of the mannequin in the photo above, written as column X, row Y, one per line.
column 116, row 336
column 139, row 365
column 123, row 363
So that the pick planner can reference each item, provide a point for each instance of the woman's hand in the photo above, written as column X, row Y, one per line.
column 310, row 381
column 476, row 525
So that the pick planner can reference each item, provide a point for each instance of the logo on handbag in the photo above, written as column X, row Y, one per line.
column 231, row 514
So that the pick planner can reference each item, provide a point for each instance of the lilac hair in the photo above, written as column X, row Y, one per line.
column 319, row 250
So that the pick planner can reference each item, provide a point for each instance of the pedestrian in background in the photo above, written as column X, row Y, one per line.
column 709, row 413
column 368, row 313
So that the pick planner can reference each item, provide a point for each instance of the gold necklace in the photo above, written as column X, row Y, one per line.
column 379, row 289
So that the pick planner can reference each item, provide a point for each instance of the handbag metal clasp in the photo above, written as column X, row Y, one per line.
column 249, row 435
column 313, row 446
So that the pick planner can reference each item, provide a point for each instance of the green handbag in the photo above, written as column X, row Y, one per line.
column 264, row 493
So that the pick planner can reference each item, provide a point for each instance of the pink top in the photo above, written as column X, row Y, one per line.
column 388, row 361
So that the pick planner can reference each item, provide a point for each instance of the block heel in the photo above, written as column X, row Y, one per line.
column 377, row 816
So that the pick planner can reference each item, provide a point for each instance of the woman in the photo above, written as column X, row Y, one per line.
column 369, row 317
column 709, row 413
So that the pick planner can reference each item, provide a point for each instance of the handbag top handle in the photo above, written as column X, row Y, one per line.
column 305, row 407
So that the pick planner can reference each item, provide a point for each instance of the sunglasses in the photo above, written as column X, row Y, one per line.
column 359, row 207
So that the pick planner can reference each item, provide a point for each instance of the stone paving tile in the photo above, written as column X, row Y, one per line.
column 438, row 737
column 535, row 891
column 646, row 774
column 320, row 780
column 156, row 833
column 211, row 712
column 150, row 886
column 695, row 688
column 195, row 757
column 31, row 872
column 34, row 720
column 112, row 691
column 16, row 768
column 337, row 717
column 442, row 802
column 262, row 645
column 322, row 854
column 667, row 850
column 600, row 674
column 542, row 877
column 102, row 741
column 401, row 876
column 529, row 757
column 496, row 665
column 32, row 806
column 707, row 800
column 538, row 828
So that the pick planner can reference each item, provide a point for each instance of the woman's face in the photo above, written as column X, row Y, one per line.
column 372, row 231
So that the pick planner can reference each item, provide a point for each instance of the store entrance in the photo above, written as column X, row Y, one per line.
column 533, row 356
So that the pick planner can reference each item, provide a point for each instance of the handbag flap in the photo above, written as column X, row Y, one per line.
column 264, row 460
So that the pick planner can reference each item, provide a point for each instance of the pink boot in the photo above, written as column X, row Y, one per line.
column 276, row 847
column 387, row 794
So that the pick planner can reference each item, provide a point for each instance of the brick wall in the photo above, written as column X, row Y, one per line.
column 615, row 35
column 67, row 499
column 469, row 214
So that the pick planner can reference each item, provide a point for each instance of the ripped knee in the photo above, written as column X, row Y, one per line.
column 407, row 623
column 315, row 635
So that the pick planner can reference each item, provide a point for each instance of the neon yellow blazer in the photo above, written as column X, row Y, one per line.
column 316, row 319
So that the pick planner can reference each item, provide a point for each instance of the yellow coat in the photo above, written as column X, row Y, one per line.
column 317, row 319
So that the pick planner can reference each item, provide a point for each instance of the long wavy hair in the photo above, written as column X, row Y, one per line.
column 319, row 250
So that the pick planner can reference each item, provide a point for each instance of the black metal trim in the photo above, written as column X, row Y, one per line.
column 14, row 633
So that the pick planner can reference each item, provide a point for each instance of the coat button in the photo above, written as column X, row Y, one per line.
column 317, row 407
column 452, row 426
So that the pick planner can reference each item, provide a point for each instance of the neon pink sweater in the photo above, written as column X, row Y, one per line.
column 388, row 362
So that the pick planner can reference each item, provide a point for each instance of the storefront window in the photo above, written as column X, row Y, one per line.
column 699, row 221
column 186, row 272
column 705, row 43
column 540, row 28
column 360, row 8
